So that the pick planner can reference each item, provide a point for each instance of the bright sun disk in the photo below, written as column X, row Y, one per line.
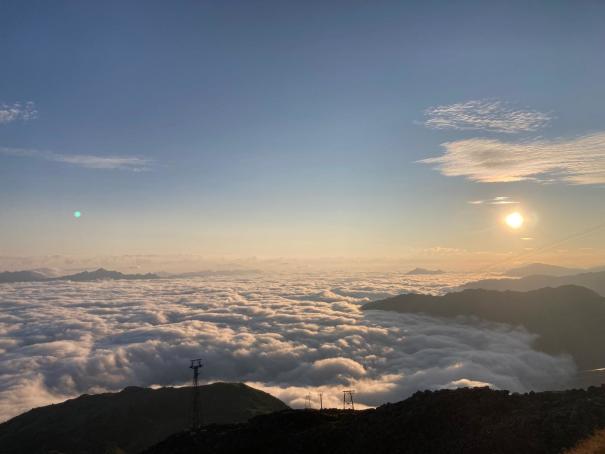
column 514, row 220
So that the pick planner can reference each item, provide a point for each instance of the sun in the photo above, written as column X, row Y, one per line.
column 514, row 220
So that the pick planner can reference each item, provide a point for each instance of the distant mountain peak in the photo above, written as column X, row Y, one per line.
column 85, row 276
column 542, row 269
column 592, row 280
column 420, row 271
column 22, row 276
column 104, row 274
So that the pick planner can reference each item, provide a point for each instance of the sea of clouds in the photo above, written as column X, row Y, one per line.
column 290, row 334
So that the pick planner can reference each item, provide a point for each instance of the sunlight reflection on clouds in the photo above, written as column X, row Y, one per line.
column 289, row 334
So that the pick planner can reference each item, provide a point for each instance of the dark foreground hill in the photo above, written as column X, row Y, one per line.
column 128, row 421
column 568, row 319
column 469, row 421
column 594, row 281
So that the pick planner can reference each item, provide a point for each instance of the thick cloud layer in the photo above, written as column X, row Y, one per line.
column 289, row 334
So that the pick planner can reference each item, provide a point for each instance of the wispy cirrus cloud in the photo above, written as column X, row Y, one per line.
column 500, row 200
column 578, row 161
column 17, row 111
column 486, row 115
column 114, row 162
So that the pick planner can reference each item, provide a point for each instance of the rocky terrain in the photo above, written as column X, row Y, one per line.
column 467, row 421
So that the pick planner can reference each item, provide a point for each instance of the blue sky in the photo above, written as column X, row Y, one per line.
column 294, row 128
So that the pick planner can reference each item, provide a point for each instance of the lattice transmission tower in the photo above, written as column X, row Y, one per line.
column 196, row 413
column 347, row 399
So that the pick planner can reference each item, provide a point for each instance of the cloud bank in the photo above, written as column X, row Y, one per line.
column 578, row 161
column 17, row 111
column 132, row 163
column 289, row 334
column 487, row 115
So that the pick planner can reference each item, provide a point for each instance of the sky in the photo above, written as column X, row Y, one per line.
column 303, row 129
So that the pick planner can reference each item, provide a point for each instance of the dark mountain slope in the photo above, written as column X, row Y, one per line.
column 594, row 281
column 569, row 319
column 128, row 421
column 469, row 421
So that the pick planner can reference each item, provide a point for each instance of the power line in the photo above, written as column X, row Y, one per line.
column 547, row 246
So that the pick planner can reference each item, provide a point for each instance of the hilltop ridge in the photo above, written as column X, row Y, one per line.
column 128, row 421
column 470, row 421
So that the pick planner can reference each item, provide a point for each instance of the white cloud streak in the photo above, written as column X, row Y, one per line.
column 131, row 163
column 500, row 200
column 486, row 115
column 17, row 111
column 290, row 334
column 578, row 161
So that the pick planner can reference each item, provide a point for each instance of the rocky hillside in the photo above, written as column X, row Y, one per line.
column 467, row 421
column 128, row 421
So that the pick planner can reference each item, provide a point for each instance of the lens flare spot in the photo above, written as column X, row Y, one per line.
column 77, row 214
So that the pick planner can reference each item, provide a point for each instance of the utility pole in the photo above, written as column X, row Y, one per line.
column 196, row 416
column 321, row 401
column 308, row 402
column 347, row 399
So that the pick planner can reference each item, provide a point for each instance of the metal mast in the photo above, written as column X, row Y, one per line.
column 196, row 416
column 347, row 399
column 308, row 404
